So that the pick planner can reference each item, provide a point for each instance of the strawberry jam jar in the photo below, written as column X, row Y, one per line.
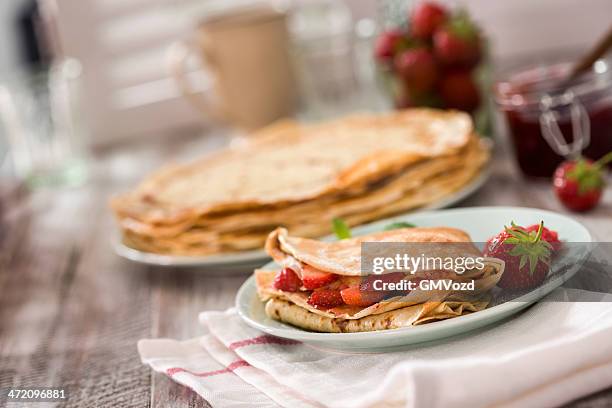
column 549, row 118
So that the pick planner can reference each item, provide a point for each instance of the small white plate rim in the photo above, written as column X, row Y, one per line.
column 150, row 258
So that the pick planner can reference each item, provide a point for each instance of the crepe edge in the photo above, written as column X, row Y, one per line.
column 280, row 245
column 290, row 313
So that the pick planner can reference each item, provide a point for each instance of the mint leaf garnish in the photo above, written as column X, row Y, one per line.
column 341, row 229
column 398, row 225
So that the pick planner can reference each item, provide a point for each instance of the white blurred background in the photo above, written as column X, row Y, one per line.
column 122, row 45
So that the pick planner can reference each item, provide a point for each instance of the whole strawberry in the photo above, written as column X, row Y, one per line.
column 579, row 183
column 418, row 69
column 526, row 254
column 387, row 45
column 425, row 18
column 459, row 91
column 457, row 43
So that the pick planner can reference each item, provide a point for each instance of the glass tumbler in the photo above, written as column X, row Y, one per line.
column 42, row 125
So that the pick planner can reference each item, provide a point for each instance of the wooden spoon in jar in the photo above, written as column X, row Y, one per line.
column 585, row 63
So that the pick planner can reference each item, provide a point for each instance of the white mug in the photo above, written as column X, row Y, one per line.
column 247, row 54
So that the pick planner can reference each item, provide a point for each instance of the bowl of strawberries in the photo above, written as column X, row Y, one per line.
column 435, row 58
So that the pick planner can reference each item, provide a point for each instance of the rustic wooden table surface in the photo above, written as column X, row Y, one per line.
column 71, row 311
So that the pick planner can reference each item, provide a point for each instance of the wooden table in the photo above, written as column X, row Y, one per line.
column 71, row 311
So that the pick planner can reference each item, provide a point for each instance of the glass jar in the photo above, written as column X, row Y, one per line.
column 549, row 119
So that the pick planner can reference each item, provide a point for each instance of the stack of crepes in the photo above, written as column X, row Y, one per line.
column 349, row 301
column 359, row 168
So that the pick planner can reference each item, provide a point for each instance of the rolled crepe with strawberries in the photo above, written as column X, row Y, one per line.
column 320, row 286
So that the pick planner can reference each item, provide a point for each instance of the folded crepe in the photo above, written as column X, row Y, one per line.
column 343, row 259
column 360, row 168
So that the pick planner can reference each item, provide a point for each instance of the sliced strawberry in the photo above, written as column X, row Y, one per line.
column 354, row 296
column 287, row 280
column 313, row 278
column 325, row 298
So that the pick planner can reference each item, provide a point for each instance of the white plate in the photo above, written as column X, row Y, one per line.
column 251, row 259
column 240, row 260
column 481, row 223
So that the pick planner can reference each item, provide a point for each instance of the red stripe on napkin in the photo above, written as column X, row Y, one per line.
column 265, row 339
column 230, row 368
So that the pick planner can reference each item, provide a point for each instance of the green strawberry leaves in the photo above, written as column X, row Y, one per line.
column 607, row 158
column 529, row 246
column 461, row 25
column 589, row 176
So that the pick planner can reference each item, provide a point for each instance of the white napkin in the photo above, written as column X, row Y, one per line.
column 548, row 355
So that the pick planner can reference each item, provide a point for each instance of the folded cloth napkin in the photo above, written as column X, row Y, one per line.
column 554, row 352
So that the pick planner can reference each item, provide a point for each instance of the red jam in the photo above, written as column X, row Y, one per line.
column 518, row 98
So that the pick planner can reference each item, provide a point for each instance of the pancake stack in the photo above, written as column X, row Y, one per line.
column 359, row 168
